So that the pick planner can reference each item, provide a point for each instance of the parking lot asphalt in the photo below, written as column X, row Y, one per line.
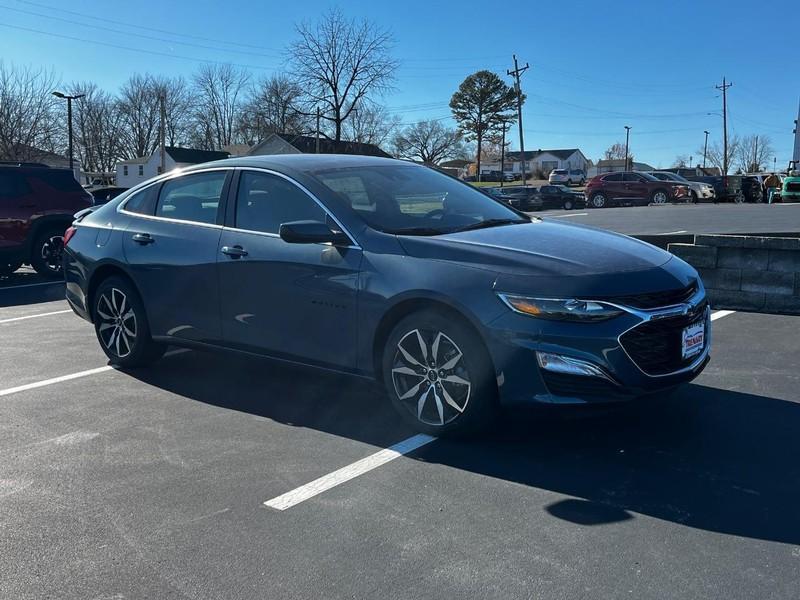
column 682, row 218
column 152, row 483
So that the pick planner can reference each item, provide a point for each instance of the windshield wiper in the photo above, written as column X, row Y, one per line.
column 491, row 223
column 417, row 231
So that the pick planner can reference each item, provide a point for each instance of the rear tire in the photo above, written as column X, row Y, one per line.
column 120, row 323
column 659, row 197
column 568, row 205
column 438, row 375
column 598, row 201
column 46, row 252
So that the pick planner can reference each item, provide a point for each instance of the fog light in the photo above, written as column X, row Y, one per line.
column 558, row 363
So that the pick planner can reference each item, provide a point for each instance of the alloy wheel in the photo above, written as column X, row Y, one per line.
column 430, row 377
column 660, row 198
column 117, row 328
column 598, row 201
column 52, row 251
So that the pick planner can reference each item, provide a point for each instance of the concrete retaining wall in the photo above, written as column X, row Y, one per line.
column 750, row 273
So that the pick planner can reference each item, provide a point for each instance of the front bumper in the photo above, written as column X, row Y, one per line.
column 515, row 339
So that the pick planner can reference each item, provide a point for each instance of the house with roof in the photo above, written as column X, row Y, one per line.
column 135, row 171
column 285, row 143
column 613, row 165
column 544, row 161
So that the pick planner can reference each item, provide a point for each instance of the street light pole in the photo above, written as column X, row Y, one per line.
column 705, row 151
column 69, row 100
column 627, row 139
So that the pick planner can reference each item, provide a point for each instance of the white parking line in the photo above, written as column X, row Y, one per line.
column 46, row 382
column 27, row 285
column 672, row 232
column 721, row 313
column 47, row 314
column 567, row 216
column 351, row 471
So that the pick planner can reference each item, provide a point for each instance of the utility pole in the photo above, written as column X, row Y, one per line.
column 627, row 139
column 69, row 100
column 705, row 151
column 162, row 102
column 503, row 153
column 690, row 161
column 724, row 87
column 516, row 73
column 317, row 143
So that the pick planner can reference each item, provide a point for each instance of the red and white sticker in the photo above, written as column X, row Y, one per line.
column 693, row 338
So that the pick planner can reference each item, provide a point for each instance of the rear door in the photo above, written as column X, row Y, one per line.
column 171, row 250
column 292, row 300
column 636, row 188
column 17, row 205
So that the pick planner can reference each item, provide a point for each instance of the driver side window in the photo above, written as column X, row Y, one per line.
column 265, row 201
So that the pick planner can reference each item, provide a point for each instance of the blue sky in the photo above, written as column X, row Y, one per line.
column 595, row 67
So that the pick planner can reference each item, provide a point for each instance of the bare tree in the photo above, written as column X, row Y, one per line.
column 139, row 111
column 339, row 63
column 715, row 153
column 753, row 153
column 681, row 161
column 98, row 127
column 29, row 121
column 428, row 141
column 275, row 106
column 616, row 152
column 370, row 124
column 219, row 97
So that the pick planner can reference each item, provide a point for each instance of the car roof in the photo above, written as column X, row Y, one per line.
column 303, row 162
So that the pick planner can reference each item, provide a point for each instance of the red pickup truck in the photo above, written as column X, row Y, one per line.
column 634, row 188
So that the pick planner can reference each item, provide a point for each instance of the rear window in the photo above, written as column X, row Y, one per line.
column 193, row 197
column 13, row 185
column 613, row 177
column 143, row 202
column 58, row 179
column 559, row 171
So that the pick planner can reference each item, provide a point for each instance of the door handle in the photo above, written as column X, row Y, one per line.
column 143, row 238
column 234, row 251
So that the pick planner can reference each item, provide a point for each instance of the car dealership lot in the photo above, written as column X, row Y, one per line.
column 152, row 483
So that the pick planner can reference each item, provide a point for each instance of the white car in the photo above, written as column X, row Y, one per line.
column 698, row 191
column 567, row 176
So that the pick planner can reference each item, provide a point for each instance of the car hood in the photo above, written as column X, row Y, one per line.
column 543, row 247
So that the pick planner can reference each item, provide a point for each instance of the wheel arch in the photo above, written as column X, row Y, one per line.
column 410, row 305
column 98, row 276
column 42, row 224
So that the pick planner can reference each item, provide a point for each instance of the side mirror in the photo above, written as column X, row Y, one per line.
column 311, row 232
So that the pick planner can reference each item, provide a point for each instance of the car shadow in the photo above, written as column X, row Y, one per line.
column 706, row 458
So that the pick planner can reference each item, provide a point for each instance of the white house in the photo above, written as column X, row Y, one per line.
column 544, row 161
column 135, row 171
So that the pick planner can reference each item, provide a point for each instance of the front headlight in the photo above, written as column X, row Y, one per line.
column 561, row 309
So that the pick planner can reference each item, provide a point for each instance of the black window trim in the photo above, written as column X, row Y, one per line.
column 223, row 199
column 230, row 213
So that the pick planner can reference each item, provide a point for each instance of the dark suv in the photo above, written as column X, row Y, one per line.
column 37, row 205
column 632, row 187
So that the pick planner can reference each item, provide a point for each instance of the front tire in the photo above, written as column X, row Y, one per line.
column 693, row 199
column 438, row 375
column 120, row 323
column 46, row 253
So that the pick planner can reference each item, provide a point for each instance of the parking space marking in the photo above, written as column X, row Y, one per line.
column 47, row 314
column 672, row 232
column 27, row 285
column 721, row 313
column 567, row 216
column 54, row 380
column 351, row 471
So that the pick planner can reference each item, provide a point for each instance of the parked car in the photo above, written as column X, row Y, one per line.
column 37, row 204
column 560, row 196
column 567, row 176
column 454, row 302
column 727, row 188
column 633, row 188
column 751, row 189
column 698, row 191
column 526, row 198
column 104, row 194
column 790, row 190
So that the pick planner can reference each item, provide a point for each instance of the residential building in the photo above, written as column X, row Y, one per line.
column 613, row 165
column 284, row 143
column 457, row 168
column 541, row 162
column 135, row 171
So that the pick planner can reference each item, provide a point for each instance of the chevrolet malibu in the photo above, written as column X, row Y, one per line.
column 389, row 270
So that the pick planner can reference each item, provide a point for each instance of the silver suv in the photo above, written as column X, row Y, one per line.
column 698, row 191
column 567, row 176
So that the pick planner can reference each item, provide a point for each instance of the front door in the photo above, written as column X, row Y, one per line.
column 297, row 301
column 171, row 250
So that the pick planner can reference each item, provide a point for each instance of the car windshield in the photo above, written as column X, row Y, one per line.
column 674, row 177
column 563, row 188
column 412, row 200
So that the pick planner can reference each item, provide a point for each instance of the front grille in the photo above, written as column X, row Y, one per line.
column 657, row 299
column 581, row 387
column 655, row 346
